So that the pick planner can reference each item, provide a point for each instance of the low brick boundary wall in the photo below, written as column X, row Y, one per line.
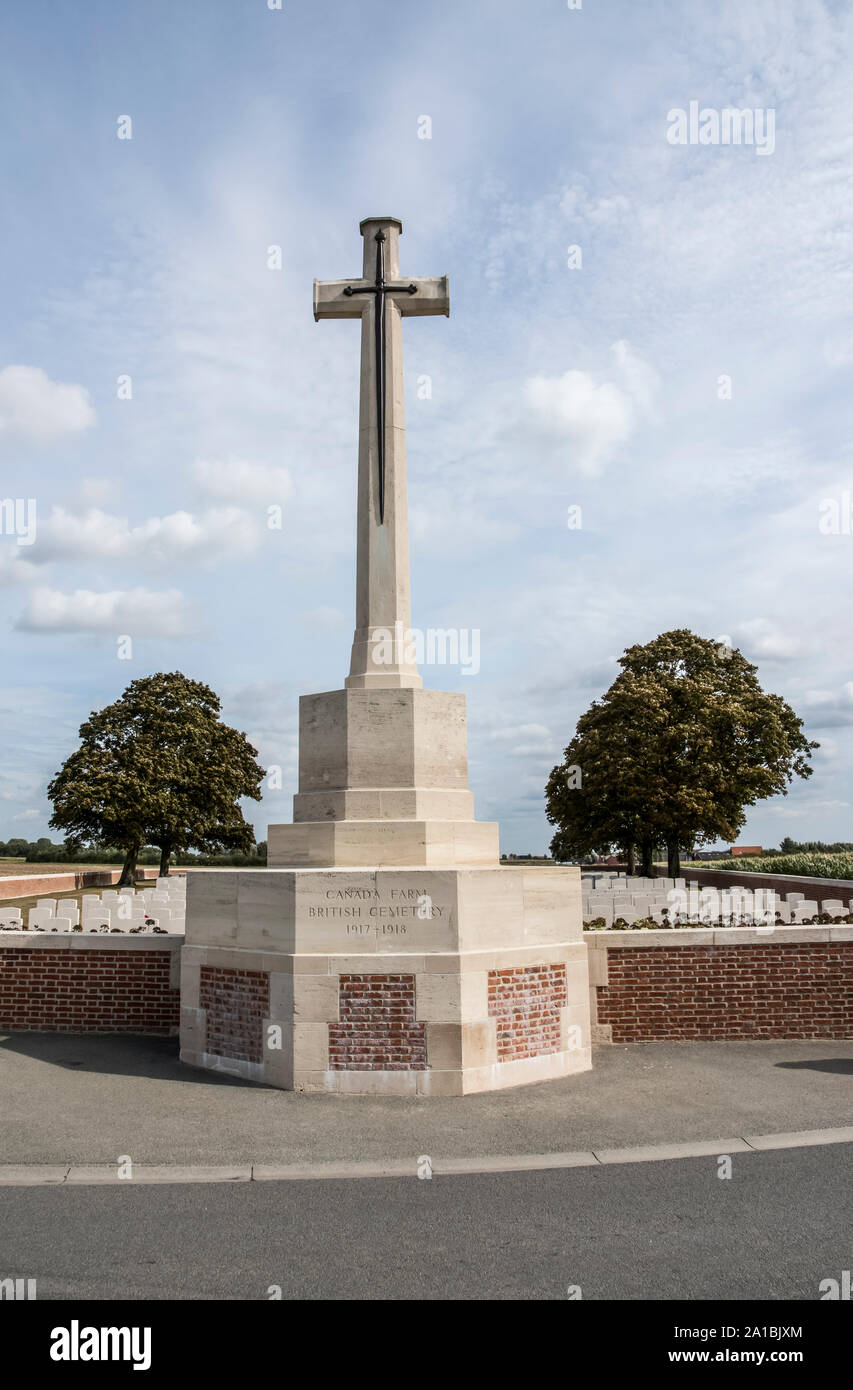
column 698, row 984
column 76, row 983
column 729, row 984
column 36, row 885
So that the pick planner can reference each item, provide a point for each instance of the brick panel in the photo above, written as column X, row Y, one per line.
column 526, row 1002
column 237, row 1002
column 749, row 992
column 377, row 1029
column 92, row 991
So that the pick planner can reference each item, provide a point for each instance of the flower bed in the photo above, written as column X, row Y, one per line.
column 679, row 921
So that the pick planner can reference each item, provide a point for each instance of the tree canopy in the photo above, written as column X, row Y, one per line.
column 673, row 753
column 158, row 767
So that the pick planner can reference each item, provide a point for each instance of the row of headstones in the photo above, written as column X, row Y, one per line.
column 711, row 904
column 594, row 885
column 607, row 882
column 160, row 908
column 614, row 896
column 627, row 890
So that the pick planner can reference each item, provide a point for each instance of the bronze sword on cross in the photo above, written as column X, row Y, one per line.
column 434, row 299
column 379, row 289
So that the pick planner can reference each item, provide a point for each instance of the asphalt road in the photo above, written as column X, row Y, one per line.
column 669, row 1230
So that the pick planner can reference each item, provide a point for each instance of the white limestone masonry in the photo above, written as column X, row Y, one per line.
column 385, row 950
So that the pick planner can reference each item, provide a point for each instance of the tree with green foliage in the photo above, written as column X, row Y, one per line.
column 16, row 848
column 158, row 767
column 683, row 741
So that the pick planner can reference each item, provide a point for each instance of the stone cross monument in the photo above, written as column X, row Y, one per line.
column 381, row 299
column 385, row 949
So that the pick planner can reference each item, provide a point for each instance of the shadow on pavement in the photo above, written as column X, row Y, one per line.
column 842, row 1065
column 116, row 1054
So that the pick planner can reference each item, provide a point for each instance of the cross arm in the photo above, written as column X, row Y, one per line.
column 330, row 302
column 345, row 299
column 433, row 296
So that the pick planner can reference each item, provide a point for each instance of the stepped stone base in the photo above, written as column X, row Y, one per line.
column 383, row 843
column 412, row 981
column 357, row 741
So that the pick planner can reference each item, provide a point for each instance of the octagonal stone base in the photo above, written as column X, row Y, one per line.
column 383, row 843
column 391, row 981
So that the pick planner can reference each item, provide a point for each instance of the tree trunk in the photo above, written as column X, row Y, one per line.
column 673, row 860
column 629, row 858
column 128, row 872
column 165, row 856
column 646, row 860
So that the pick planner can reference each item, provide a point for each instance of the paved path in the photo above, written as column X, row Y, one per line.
column 86, row 1100
column 774, row 1230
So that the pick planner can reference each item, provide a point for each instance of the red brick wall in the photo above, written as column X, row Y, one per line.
column 377, row 1029
column 526, row 1002
column 33, row 884
column 237, row 1002
column 706, row 993
column 90, row 991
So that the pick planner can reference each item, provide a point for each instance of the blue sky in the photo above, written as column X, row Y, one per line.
column 552, row 387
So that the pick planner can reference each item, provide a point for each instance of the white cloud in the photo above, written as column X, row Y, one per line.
column 593, row 419
column 242, row 481
column 641, row 380
column 34, row 408
column 14, row 567
column 97, row 536
column 538, row 732
column 270, row 707
column 803, row 810
column 577, row 205
column 828, row 709
column 28, row 815
column 137, row 612
column 762, row 638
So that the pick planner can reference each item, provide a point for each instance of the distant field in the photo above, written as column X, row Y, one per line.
column 802, row 865
column 16, row 867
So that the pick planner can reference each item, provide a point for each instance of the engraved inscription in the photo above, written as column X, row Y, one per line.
column 370, row 912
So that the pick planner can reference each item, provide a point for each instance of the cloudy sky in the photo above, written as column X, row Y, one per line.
column 683, row 375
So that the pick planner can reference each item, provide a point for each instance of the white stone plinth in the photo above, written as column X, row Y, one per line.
column 391, row 981
column 383, row 781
